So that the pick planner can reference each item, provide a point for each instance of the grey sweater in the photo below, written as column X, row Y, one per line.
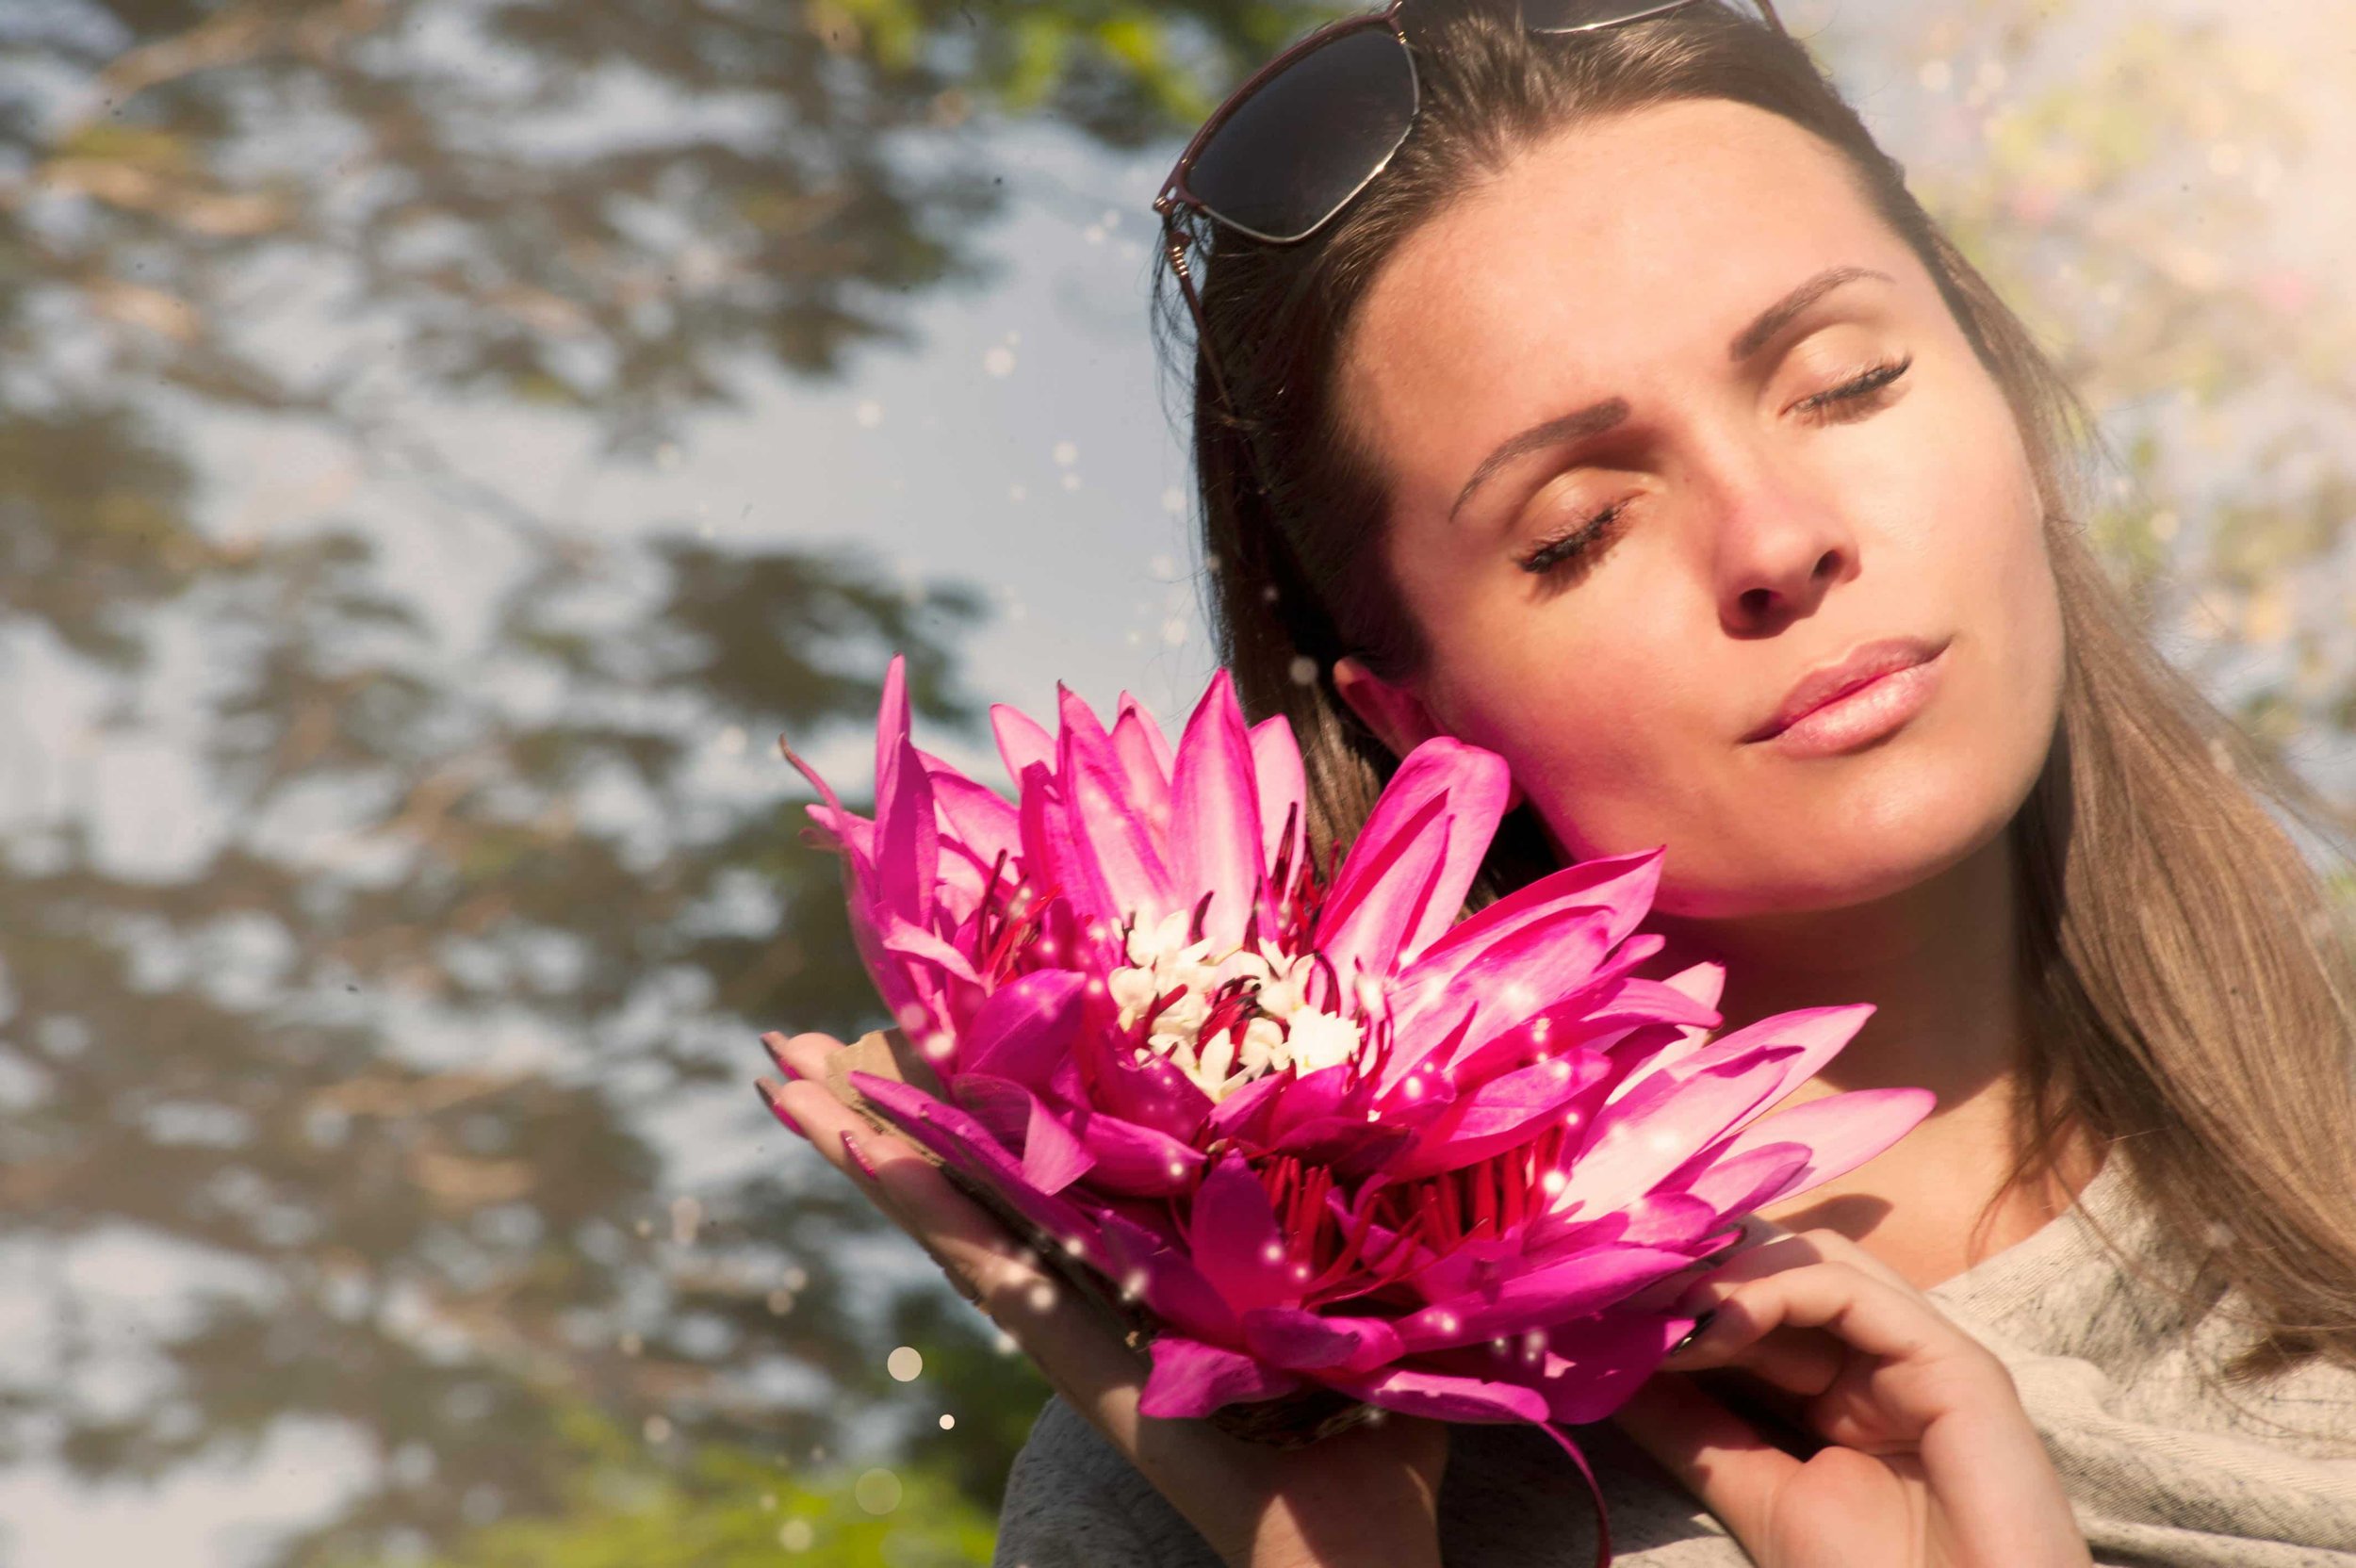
column 2162, row 1467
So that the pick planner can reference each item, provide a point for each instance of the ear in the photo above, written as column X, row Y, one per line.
column 1393, row 713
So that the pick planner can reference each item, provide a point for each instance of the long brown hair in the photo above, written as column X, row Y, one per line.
column 2190, row 984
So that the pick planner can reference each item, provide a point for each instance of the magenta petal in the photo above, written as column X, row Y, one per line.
column 1641, row 1141
column 1620, row 885
column 1055, row 857
column 1136, row 1160
column 980, row 818
column 1053, row 1159
column 1747, row 1180
column 955, row 1135
column 1149, row 1268
column 1594, row 1366
column 1472, row 785
column 1024, row 1029
column 1312, row 1095
column 1821, row 1033
column 1190, row 1377
column 1840, row 1131
column 1144, row 756
column 1151, row 1093
column 1284, row 813
column 907, row 845
column 1310, row 1342
column 1232, row 1230
column 1021, row 744
column 1245, row 1114
column 1100, row 815
column 1215, row 815
column 1385, row 891
column 1579, row 1285
column 915, row 944
column 1499, row 1114
column 1567, row 942
column 1443, row 1397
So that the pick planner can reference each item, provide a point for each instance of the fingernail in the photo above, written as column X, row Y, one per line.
column 1695, row 1333
column 768, row 1093
column 859, row 1156
column 774, row 1043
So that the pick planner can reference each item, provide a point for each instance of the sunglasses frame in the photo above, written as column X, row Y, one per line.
column 1174, row 193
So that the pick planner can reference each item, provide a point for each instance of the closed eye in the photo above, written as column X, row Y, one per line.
column 1852, row 400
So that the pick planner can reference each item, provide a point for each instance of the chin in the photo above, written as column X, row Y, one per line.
column 1883, row 832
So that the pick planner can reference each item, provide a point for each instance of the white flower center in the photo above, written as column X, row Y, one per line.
column 1283, row 1029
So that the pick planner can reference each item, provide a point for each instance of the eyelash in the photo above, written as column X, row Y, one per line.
column 1555, row 553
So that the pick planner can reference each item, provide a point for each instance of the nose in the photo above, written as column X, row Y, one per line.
column 1779, row 547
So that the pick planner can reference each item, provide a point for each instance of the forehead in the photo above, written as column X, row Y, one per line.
column 1626, row 250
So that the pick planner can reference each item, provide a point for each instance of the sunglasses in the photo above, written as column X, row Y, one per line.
column 1312, row 128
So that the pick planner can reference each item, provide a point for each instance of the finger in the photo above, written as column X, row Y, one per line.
column 1713, row 1453
column 801, row 1055
column 1797, row 1363
column 1073, row 1343
column 1947, row 1367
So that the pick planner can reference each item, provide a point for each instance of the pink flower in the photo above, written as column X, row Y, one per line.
column 1322, row 1130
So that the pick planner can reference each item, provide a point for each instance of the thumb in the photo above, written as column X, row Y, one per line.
column 1715, row 1454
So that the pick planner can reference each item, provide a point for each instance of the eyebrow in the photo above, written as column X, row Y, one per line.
column 1597, row 417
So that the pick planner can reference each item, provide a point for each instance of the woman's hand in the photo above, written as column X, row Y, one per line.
column 1931, row 1464
column 1367, row 1498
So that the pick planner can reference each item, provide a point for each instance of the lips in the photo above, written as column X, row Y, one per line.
column 1829, row 683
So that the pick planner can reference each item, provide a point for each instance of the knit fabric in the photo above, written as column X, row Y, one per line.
column 2164, row 1467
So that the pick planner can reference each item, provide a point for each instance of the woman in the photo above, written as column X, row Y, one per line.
column 1634, row 422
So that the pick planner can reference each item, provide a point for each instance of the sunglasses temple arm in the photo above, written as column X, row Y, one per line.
column 1174, row 248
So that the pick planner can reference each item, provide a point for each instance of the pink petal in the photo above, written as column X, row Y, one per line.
column 982, row 820
column 1840, row 1131
column 906, row 850
column 1136, row 1160
column 955, row 1135
column 1594, row 1365
column 1474, row 784
column 1151, row 1093
column 1215, row 815
column 914, row 944
column 1021, row 742
column 1190, row 1377
column 1751, row 1179
column 1232, row 1231
column 1053, row 1158
column 1024, row 1029
column 1442, row 1397
column 1244, row 1114
column 1310, row 1097
column 1065, row 864
column 1159, row 1275
column 1145, row 765
column 1620, row 885
column 1570, row 1289
column 1283, row 789
column 1099, row 816
column 1309, row 1341
column 1385, row 895
column 1500, row 981
column 1499, row 1114
column 1633, row 1150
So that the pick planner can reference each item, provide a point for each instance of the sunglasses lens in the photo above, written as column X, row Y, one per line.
column 1288, row 156
column 1564, row 16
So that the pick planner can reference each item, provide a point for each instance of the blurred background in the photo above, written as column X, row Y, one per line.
column 443, row 443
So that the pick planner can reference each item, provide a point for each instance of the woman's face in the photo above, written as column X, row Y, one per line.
column 1714, row 320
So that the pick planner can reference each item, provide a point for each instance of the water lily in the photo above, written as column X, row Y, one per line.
column 1324, row 1131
